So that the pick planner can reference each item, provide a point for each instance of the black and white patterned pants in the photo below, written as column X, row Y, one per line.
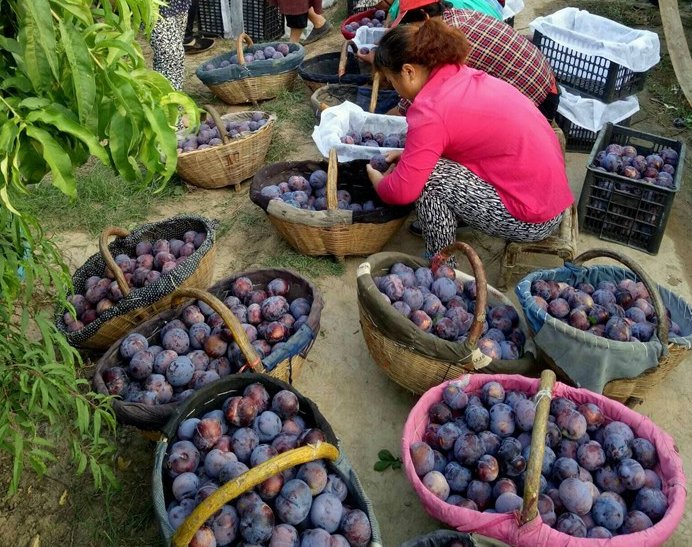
column 167, row 45
column 454, row 193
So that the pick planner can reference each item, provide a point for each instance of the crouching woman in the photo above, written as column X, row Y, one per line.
column 476, row 151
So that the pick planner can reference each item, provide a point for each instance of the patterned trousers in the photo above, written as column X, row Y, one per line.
column 167, row 45
column 454, row 193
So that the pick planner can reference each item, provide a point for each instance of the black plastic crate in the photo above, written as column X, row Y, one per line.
column 262, row 22
column 578, row 138
column 593, row 76
column 625, row 210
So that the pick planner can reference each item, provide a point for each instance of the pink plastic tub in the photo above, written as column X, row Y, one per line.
column 505, row 527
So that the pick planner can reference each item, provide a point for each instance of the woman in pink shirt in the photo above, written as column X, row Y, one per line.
column 477, row 150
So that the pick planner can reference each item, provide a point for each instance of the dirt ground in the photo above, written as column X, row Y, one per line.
column 366, row 409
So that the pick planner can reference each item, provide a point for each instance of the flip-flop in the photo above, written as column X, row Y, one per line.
column 317, row 33
column 198, row 45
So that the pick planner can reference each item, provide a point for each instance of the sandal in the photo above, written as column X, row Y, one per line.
column 198, row 45
column 317, row 33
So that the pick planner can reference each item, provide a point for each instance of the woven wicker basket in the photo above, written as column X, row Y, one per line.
column 252, row 89
column 417, row 371
column 149, row 417
column 233, row 161
column 631, row 391
column 138, row 310
column 333, row 232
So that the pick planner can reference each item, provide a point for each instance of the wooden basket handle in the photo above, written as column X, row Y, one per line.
column 659, row 308
column 231, row 321
column 108, row 257
column 248, row 480
column 219, row 122
column 332, row 175
column 344, row 56
column 375, row 91
column 323, row 107
column 481, row 283
column 242, row 38
column 532, row 484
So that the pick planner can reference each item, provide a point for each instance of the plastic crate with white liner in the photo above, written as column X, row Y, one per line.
column 581, row 118
column 337, row 121
column 594, row 55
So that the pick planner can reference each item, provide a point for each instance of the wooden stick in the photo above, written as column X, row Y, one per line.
column 678, row 49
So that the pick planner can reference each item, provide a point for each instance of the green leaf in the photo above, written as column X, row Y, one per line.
column 59, row 162
column 386, row 455
column 120, row 139
column 382, row 465
column 64, row 120
column 396, row 464
column 82, row 73
column 37, row 38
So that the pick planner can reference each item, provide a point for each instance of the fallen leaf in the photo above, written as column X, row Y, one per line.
column 122, row 463
column 63, row 498
column 35, row 541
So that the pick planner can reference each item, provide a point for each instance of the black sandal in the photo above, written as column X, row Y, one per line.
column 198, row 45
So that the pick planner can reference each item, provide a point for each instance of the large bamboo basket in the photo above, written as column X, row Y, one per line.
column 416, row 370
column 632, row 391
column 233, row 161
column 333, row 232
column 139, row 305
column 255, row 88
column 151, row 418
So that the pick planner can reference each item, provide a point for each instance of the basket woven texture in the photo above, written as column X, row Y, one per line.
column 527, row 529
column 212, row 398
column 630, row 391
column 261, row 80
column 138, row 305
column 285, row 365
column 333, row 232
column 233, row 161
column 417, row 360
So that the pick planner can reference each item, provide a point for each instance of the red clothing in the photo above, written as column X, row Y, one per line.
column 297, row 7
column 485, row 124
column 499, row 50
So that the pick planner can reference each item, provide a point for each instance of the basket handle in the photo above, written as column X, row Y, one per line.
column 230, row 320
column 323, row 107
column 481, row 283
column 659, row 308
column 248, row 480
column 540, row 426
column 332, row 175
column 344, row 56
column 375, row 91
column 242, row 37
column 218, row 121
column 108, row 257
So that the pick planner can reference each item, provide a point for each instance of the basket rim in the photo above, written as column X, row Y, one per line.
column 271, row 120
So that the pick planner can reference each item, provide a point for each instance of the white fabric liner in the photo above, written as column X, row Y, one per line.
column 597, row 36
column 369, row 37
column 511, row 8
column 338, row 120
column 593, row 114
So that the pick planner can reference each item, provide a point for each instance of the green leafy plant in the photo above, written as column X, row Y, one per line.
column 386, row 460
column 73, row 85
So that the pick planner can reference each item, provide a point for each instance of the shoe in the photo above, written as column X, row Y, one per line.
column 416, row 230
column 198, row 45
column 317, row 33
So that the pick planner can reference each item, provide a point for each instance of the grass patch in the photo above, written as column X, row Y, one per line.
column 127, row 519
column 336, row 14
column 103, row 199
column 281, row 147
column 624, row 12
column 306, row 265
column 293, row 106
column 663, row 85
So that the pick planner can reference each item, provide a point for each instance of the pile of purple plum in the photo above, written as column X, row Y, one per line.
column 621, row 311
column 310, row 193
column 152, row 260
column 658, row 169
column 198, row 349
column 208, row 134
column 441, row 304
column 305, row 505
column 597, row 477
column 375, row 140
column 377, row 21
column 259, row 54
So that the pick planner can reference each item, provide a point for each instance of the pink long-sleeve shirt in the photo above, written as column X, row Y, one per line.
column 469, row 117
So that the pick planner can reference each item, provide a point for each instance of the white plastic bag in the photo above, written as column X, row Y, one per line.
column 369, row 37
column 338, row 120
column 597, row 36
column 592, row 114
column 511, row 8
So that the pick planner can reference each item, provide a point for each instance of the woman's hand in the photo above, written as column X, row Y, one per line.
column 367, row 57
column 392, row 157
column 376, row 176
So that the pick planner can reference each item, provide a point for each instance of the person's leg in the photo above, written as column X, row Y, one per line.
column 191, row 16
column 168, row 51
column 320, row 24
column 297, row 24
column 454, row 193
column 317, row 20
